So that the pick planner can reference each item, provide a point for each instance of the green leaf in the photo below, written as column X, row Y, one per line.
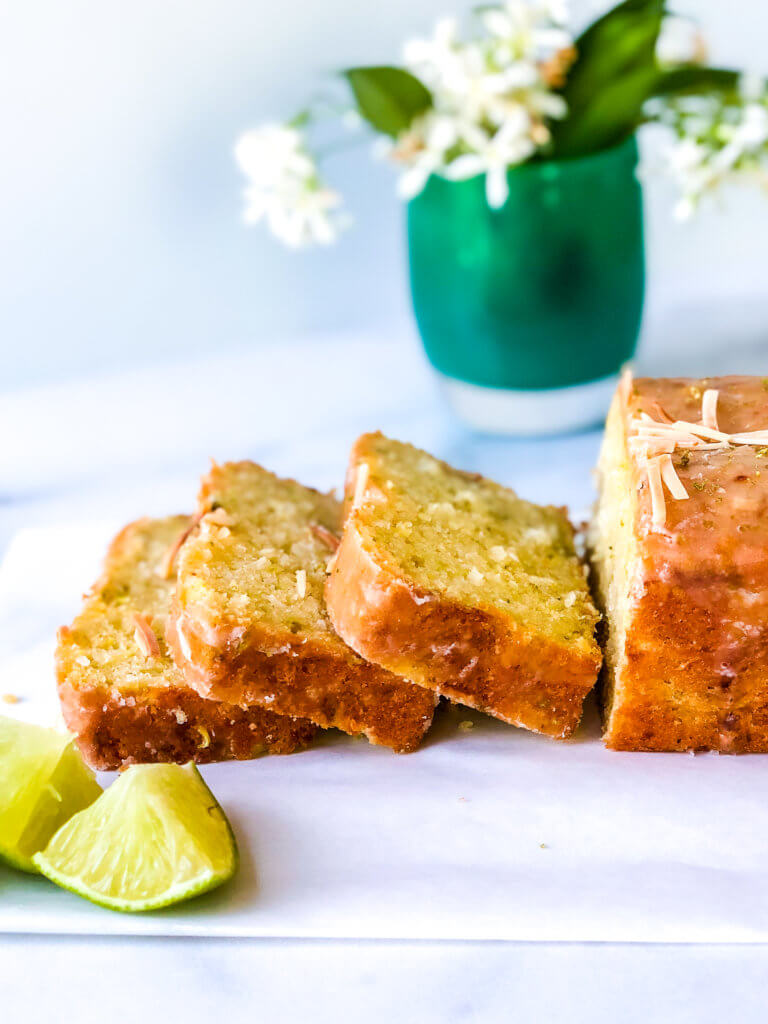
column 301, row 119
column 609, row 81
column 388, row 98
column 696, row 80
column 615, row 112
column 622, row 40
column 618, row 109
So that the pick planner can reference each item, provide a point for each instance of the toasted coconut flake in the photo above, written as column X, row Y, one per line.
column 757, row 437
column 169, row 559
column 325, row 536
column 658, row 505
column 301, row 583
column 672, row 481
column 699, row 430
column 709, row 408
column 145, row 636
column 653, row 441
column 659, row 412
column 680, row 433
column 625, row 383
column 361, row 482
column 651, row 447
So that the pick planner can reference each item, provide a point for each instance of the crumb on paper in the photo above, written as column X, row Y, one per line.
column 543, row 846
column 463, row 800
column 10, row 698
column 466, row 725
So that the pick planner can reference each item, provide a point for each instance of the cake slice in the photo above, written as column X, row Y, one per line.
column 120, row 692
column 250, row 623
column 456, row 583
column 679, row 544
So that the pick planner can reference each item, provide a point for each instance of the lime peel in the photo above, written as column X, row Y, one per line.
column 43, row 782
column 156, row 837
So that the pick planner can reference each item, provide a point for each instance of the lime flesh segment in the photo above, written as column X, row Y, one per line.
column 43, row 782
column 155, row 837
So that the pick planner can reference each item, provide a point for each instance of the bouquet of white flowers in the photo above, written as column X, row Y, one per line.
column 513, row 86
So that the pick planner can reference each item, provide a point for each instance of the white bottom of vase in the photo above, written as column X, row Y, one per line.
column 532, row 412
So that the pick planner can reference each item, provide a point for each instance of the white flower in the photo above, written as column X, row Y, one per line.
column 493, row 155
column 303, row 218
column 423, row 149
column 719, row 139
column 753, row 130
column 284, row 187
column 434, row 58
column 528, row 28
column 272, row 152
column 492, row 96
column 680, row 42
column 752, row 87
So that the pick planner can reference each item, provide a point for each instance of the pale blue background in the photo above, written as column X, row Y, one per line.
column 120, row 238
column 121, row 249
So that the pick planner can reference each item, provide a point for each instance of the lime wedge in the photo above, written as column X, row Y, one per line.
column 43, row 782
column 155, row 837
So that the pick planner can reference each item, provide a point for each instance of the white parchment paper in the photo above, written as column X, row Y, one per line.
column 487, row 832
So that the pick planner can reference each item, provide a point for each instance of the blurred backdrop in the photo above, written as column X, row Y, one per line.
column 122, row 242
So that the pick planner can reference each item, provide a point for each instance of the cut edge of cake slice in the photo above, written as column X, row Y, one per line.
column 614, row 559
column 456, row 583
column 120, row 692
column 249, row 622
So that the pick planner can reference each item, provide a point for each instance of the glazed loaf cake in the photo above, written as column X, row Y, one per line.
column 250, row 623
column 680, row 551
column 453, row 581
column 120, row 692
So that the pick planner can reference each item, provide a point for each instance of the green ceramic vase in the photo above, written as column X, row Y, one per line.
column 528, row 312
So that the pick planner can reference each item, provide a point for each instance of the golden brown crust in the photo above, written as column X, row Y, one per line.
column 309, row 675
column 677, row 692
column 307, row 681
column 121, row 694
column 471, row 655
column 174, row 724
column 692, row 672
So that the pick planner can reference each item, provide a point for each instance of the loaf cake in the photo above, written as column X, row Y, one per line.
column 120, row 692
column 249, row 622
column 680, row 552
column 453, row 581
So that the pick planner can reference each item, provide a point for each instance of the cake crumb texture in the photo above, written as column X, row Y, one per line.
column 121, row 693
column 457, row 583
column 250, row 622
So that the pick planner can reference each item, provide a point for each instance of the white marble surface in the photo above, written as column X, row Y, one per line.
column 52, row 980
column 122, row 446
column 485, row 833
